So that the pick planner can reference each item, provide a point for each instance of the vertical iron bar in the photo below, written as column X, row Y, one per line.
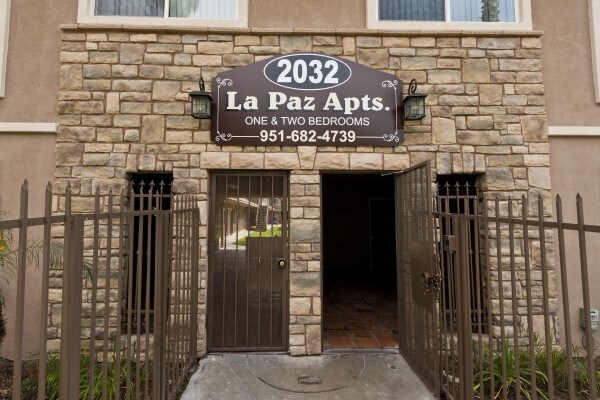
column 442, row 299
column 188, row 274
column 585, row 283
column 452, row 265
column 138, row 288
column 501, row 295
column 185, row 307
column 160, row 295
column 184, row 292
column 179, row 203
column 210, row 241
column 185, row 282
column 196, row 251
column 173, row 292
column 260, row 199
column 71, row 312
column 20, row 308
column 490, row 319
column 120, row 278
column 107, row 291
column 545, row 283
column 150, row 268
column 478, row 288
column 94, row 303
column 530, row 333
column 285, row 251
column 513, row 288
column 237, row 239
column 248, row 264
column 467, row 342
column 169, row 307
column 434, row 353
column 272, row 263
column 565, row 293
column 44, row 301
column 224, row 228
column 129, row 303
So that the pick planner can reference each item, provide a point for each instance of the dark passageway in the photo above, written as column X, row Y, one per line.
column 359, row 267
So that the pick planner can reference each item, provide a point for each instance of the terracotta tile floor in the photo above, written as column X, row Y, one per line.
column 359, row 317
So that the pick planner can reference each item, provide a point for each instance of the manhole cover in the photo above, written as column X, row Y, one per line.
column 309, row 380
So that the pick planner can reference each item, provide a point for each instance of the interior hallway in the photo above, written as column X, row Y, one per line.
column 359, row 316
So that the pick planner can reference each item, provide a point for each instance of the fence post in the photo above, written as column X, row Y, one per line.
column 195, row 262
column 70, row 342
column 161, row 296
column 22, row 265
column 463, row 295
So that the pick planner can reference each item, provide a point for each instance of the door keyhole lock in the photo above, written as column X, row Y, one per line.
column 281, row 264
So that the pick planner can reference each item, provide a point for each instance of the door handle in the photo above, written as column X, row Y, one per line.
column 432, row 281
column 281, row 264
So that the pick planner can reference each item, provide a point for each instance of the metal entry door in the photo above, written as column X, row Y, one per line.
column 418, row 326
column 248, row 262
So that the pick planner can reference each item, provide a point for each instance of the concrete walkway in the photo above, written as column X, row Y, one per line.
column 356, row 376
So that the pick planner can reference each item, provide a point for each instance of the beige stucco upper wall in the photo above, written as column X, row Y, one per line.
column 311, row 14
column 33, row 54
column 33, row 59
column 567, row 62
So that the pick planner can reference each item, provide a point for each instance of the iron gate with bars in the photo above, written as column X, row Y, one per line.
column 248, row 252
column 417, row 314
column 107, row 347
column 478, row 305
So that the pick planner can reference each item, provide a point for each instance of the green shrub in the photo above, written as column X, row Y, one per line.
column 560, row 374
column 30, row 384
column 508, row 382
column 272, row 232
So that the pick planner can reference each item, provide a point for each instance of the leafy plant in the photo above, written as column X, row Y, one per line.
column 30, row 384
column 9, row 262
column 507, row 380
column 9, row 256
column 8, row 265
column 560, row 371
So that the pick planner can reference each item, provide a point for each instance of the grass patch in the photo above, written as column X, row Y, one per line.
column 272, row 232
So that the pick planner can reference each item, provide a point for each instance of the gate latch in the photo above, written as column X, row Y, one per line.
column 449, row 242
column 432, row 281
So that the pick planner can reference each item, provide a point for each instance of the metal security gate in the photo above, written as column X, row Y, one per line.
column 417, row 273
column 248, row 253
column 100, row 341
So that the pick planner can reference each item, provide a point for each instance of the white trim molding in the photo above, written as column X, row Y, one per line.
column 574, row 131
column 85, row 14
column 28, row 127
column 523, row 10
column 4, row 29
column 594, row 6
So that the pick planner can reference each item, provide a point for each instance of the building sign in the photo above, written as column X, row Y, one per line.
column 306, row 99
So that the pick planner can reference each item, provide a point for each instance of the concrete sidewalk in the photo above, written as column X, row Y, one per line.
column 356, row 376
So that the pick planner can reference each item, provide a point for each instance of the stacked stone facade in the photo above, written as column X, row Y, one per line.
column 124, row 108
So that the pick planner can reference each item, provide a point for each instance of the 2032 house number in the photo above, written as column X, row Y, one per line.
column 300, row 71
column 307, row 71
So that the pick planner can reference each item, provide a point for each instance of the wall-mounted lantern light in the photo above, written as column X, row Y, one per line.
column 414, row 103
column 201, row 102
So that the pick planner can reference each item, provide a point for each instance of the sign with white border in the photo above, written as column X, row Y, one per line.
column 306, row 99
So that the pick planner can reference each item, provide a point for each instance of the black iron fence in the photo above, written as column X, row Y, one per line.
column 512, row 282
column 122, row 320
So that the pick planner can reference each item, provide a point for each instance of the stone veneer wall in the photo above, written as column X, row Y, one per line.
column 124, row 108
